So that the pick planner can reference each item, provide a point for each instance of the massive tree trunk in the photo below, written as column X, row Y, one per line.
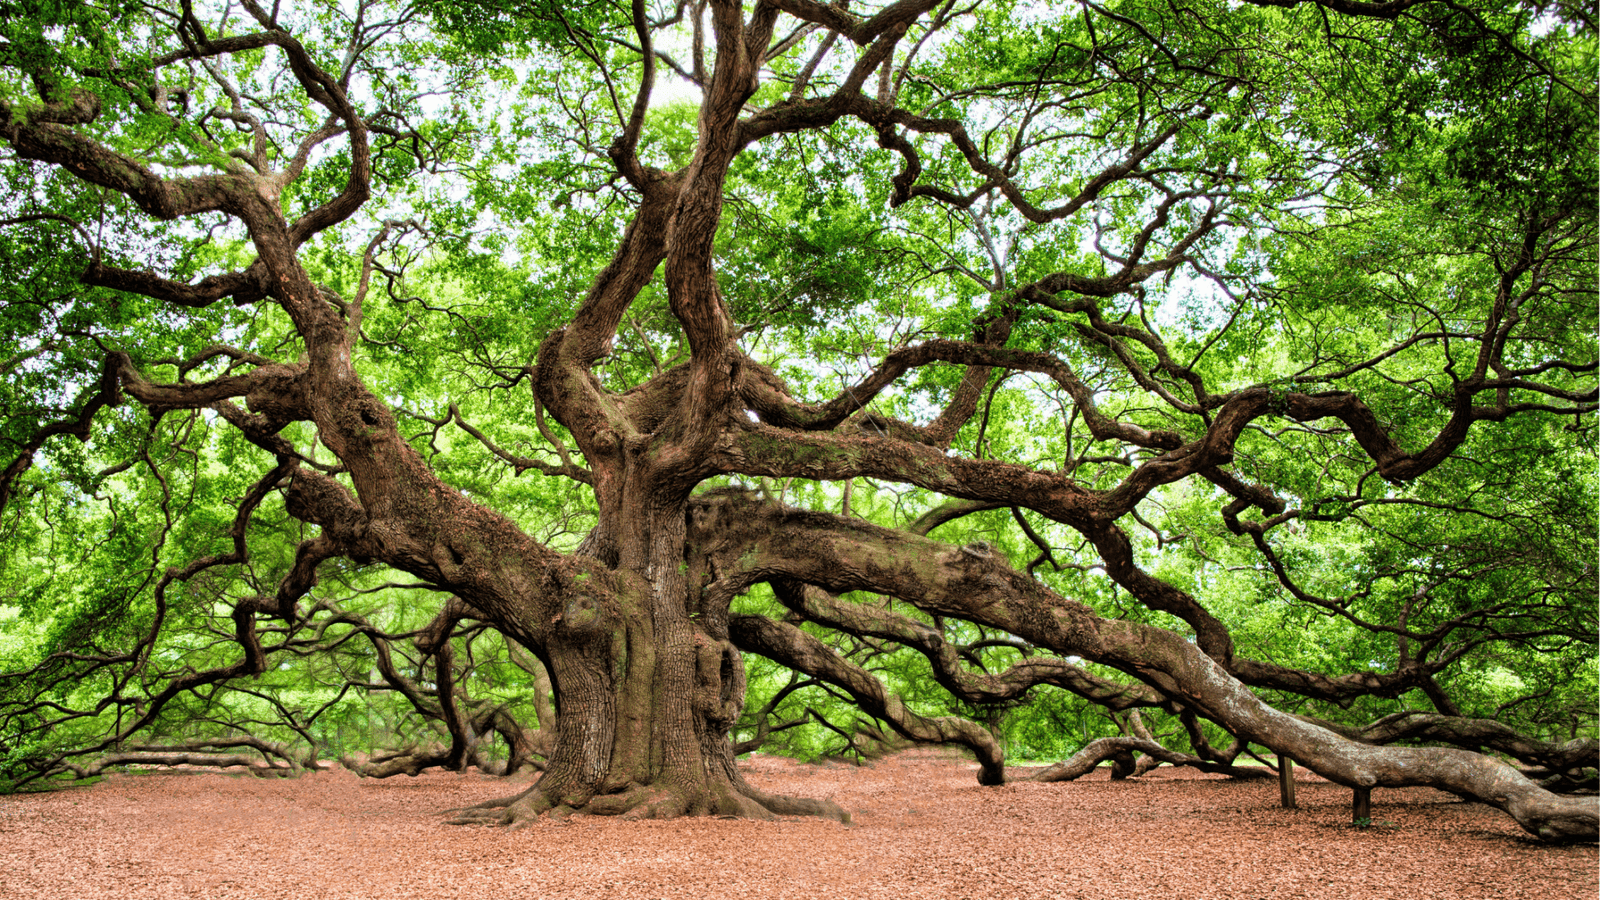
column 647, row 685
column 647, row 681
column 634, row 626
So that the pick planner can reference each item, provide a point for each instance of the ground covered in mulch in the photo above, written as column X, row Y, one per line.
column 923, row 828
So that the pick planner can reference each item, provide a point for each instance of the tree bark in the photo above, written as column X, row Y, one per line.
column 648, row 686
column 762, row 542
column 1120, row 751
column 1286, row 783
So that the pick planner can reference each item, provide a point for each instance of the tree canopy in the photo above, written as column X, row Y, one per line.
column 615, row 388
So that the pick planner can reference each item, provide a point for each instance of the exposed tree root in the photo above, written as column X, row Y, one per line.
column 643, row 802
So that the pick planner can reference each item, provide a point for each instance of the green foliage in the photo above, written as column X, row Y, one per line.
column 1376, row 182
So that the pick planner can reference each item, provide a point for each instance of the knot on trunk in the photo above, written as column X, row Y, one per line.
column 582, row 614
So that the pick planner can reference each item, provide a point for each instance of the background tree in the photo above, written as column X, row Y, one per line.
column 1242, row 357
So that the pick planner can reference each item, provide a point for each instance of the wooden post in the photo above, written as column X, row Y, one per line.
column 1286, row 782
column 1361, row 807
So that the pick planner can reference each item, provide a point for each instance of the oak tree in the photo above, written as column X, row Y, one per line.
column 654, row 338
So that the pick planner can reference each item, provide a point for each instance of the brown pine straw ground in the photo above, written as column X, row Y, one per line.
column 923, row 828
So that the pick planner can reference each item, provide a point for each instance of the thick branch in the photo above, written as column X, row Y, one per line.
column 1101, row 749
column 794, row 648
column 843, row 555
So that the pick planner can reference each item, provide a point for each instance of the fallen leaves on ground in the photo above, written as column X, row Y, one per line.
column 923, row 828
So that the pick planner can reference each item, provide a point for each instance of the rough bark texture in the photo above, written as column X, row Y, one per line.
column 1120, row 750
column 634, row 628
